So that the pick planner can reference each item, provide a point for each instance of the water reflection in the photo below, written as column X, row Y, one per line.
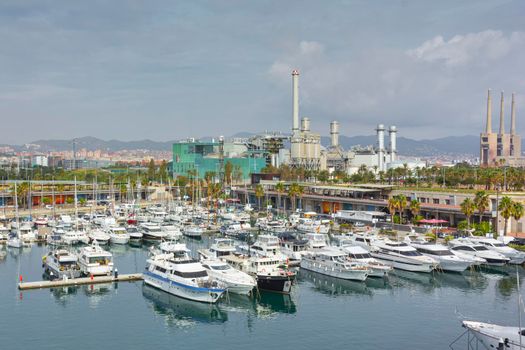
column 336, row 286
column 63, row 295
column 182, row 313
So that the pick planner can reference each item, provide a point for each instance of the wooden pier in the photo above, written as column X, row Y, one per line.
column 79, row 281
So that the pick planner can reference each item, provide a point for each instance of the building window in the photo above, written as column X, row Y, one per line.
column 447, row 201
column 436, row 200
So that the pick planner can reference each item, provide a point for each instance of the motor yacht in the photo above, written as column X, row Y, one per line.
column 151, row 231
column 492, row 336
column 219, row 248
column 334, row 263
column 193, row 231
column 270, row 273
column 401, row 256
column 361, row 255
column 307, row 225
column 99, row 236
column 293, row 248
column 134, row 233
column 4, row 234
column 173, row 233
column 463, row 246
column 316, row 241
column 236, row 281
column 516, row 257
column 75, row 237
column 178, row 274
column 265, row 245
column 93, row 260
column 447, row 260
column 60, row 264
column 118, row 235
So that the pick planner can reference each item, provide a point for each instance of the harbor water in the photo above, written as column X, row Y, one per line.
column 409, row 311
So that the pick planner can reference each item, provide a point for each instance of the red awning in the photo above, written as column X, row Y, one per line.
column 432, row 221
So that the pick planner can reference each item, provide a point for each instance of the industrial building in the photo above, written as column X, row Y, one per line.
column 211, row 156
column 500, row 148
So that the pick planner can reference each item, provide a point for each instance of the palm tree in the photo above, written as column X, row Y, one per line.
column 401, row 205
column 279, row 187
column 517, row 211
column 415, row 207
column 392, row 206
column 506, row 207
column 294, row 191
column 468, row 208
column 482, row 203
column 259, row 193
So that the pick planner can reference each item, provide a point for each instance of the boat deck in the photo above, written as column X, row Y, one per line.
column 80, row 281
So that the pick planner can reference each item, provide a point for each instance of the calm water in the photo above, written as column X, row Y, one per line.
column 411, row 311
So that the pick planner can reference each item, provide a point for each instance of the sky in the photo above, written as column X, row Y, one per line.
column 166, row 70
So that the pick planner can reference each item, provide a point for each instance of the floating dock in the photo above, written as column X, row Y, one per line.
column 80, row 281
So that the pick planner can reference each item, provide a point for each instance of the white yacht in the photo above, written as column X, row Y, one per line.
column 447, row 260
column 265, row 245
column 219, row 248
column 236, row 281
column 293, row 248
column 401, row 256
column 334, row 263
column 307, row 225
column 60, row 264
column 134, row 233
column 152, row 231
column 26, row 233
column 493, row 336
column 515, row 256
column 55, row 236
column 316, row 241
column 173, row 233
column 75, row 237
column 463, row 246
column 99, row 236
column 193, row 231
column 94, row 260
column 118, row 235
column 361, row 255
column 178, row 274
column 4, row 234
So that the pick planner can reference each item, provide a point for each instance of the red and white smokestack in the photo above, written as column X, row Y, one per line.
column 488, row 129
column 295, row 102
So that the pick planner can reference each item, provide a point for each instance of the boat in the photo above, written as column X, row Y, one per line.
column 293, row 248
column 265, row 245
column 75, row 237
column 361, row 255
column 308, row 225
column 219, row 248
column 493, row 336
column 178, row 274
column 55, row 237
column 172, row 232
column 151, row 231
column 270, row 273
column 41, row 221
column 334, row 263
column 60, row 264
column 401, row 256
column 466, row 247
column 99, row 236
column 95, row 261
column 15, row 241
column 193, row 231
column 516, row 257
column 236, row 281
column 118, row 235
column 447, row 260
column 134, row 233
column 4, row 234
column 316, row 241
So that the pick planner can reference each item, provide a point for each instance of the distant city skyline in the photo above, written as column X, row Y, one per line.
column 169, row 70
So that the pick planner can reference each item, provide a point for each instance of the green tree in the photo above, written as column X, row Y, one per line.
column 279, row 188
column 392, row 207
column 468, row 208
column 481, row 201
column 294, row 191
column 401, row 206
column 517, row 211
column 228, row 172
column 506, row 207
column 415, row 208
column 151, row 170
column 259, row 193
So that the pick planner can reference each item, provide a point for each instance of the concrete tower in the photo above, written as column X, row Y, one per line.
column 514, row 138
column 512, row 117
column 295, row 102
column 380, row 147
column 392, row 131
column 501, row 116
column 334, row 134
column 488, row 129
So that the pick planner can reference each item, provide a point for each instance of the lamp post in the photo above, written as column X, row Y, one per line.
column 497, row 210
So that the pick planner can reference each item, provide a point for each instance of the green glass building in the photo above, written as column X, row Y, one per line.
column 205, row 157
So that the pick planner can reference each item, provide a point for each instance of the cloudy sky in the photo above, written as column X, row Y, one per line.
column 170, row 69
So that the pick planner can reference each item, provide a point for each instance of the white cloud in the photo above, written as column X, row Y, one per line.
column 489, row 45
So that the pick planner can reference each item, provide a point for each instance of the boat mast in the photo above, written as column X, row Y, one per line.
column 16, row 212
column 519, row 302
column 76, row 205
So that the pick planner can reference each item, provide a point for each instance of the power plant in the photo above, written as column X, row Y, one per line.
column 500, row 148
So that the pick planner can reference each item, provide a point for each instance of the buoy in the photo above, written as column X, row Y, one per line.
column 91, row 277
column 21, row 279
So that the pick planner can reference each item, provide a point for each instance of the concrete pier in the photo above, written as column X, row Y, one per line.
column 79, row 281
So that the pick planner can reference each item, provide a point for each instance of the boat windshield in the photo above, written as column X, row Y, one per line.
column 410, row 253
column 480, row 248
column 499, row 245
column 362, row 256
column 220, row 267
column 102, row 260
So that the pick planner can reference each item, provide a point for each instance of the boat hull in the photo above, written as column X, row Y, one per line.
column 279, row 284
column 349, row 274
column 404, row 264
column 203, row 295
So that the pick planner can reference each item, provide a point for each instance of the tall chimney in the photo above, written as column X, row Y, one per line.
column 512, row 117
column 501, row 118
column 334, row 133
column 295, row 102
column 380, row 146
column 393, row 149
column 488, row 130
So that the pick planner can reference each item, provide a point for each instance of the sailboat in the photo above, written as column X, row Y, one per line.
column 493, row 336
column 16, row 241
